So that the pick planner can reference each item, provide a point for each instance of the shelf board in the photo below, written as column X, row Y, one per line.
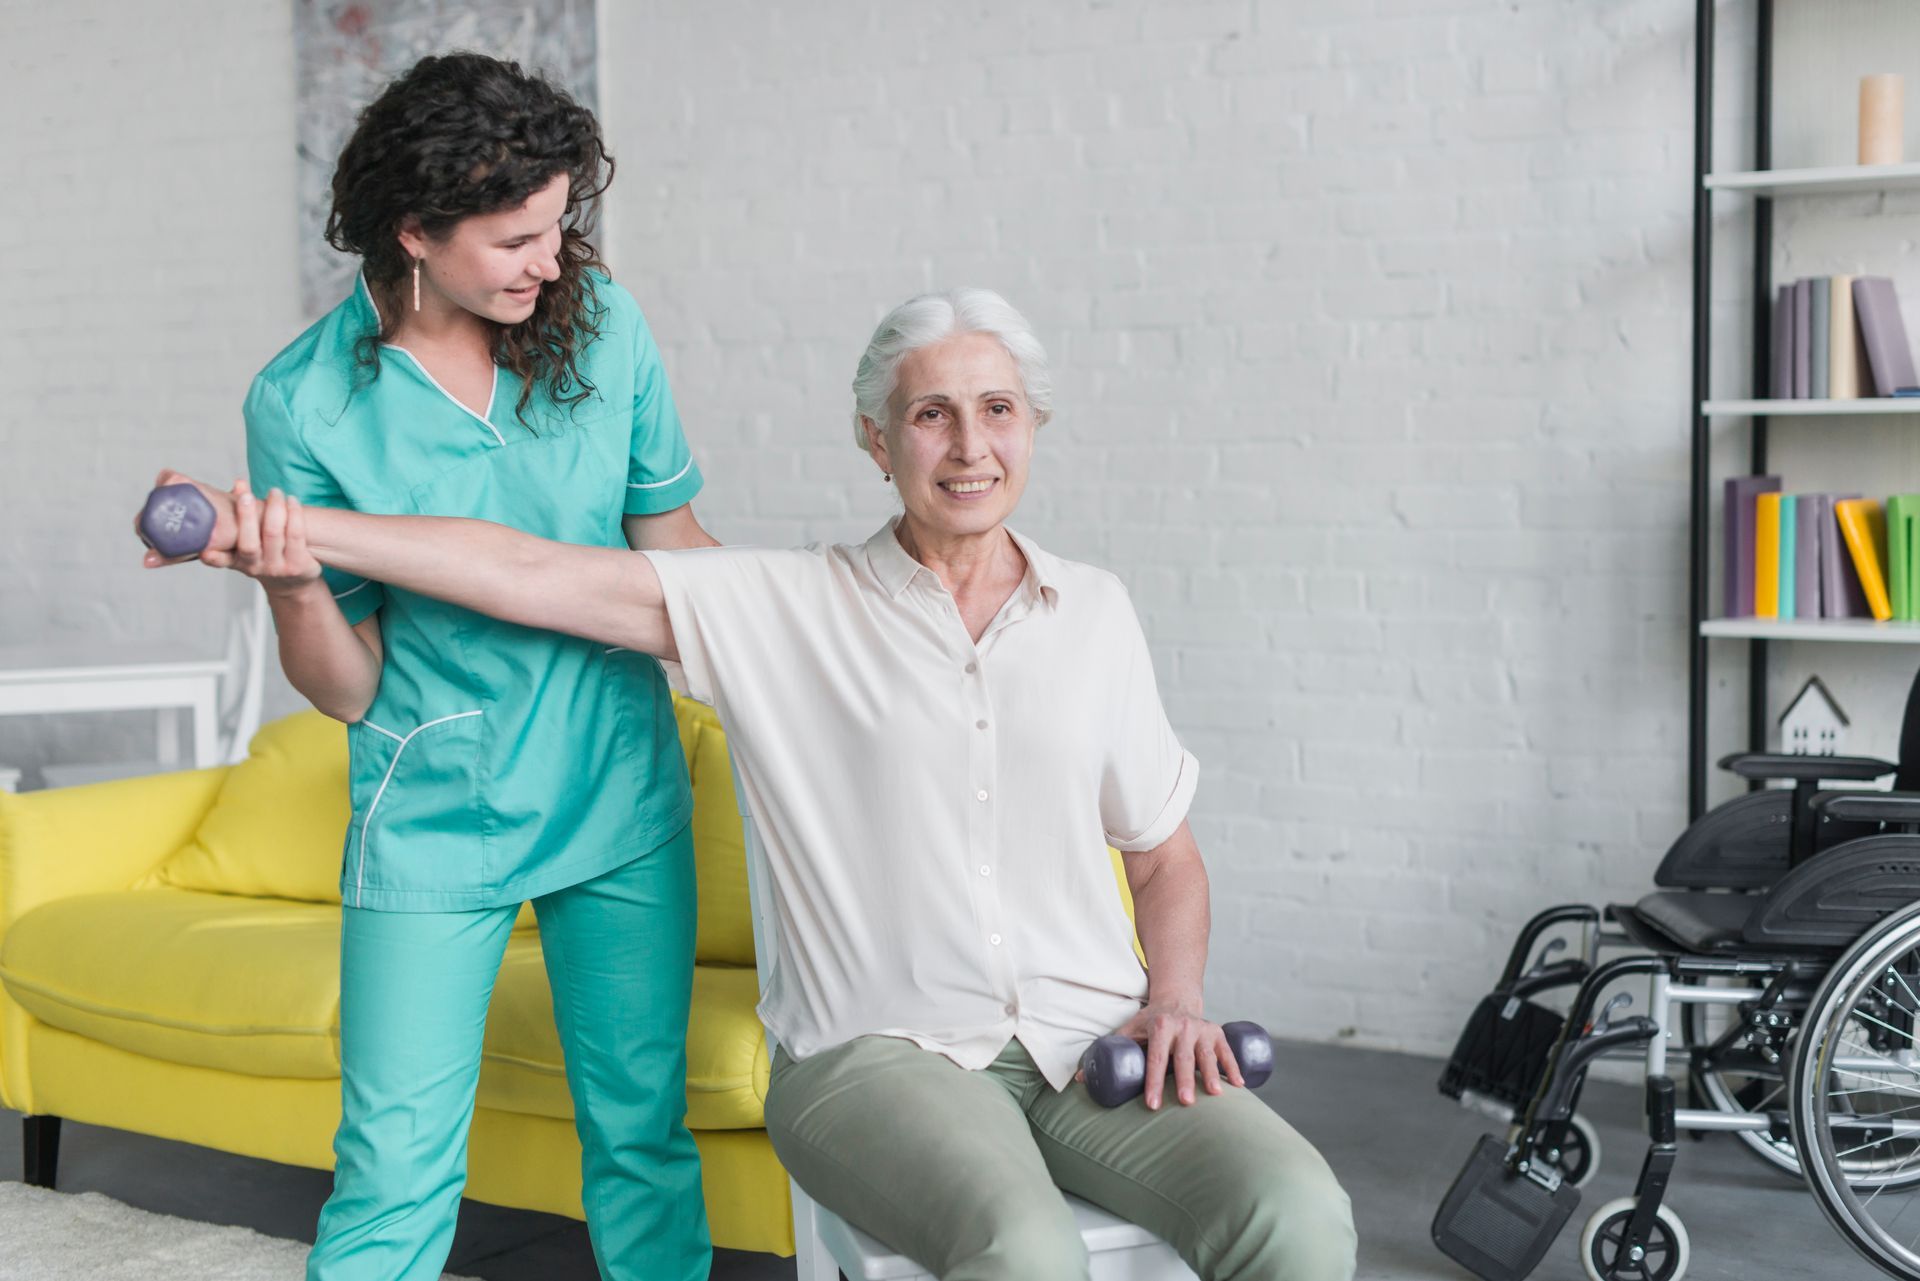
column 1837, row 180
column 1825, row 629
column 1808, row 408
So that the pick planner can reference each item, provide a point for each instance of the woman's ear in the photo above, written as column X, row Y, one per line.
column 413, row 241
column 876, row 443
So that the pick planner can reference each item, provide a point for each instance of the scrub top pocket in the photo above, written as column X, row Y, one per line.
column 415, row 793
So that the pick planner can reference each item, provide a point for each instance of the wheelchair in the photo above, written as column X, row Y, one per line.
column 1785, row 933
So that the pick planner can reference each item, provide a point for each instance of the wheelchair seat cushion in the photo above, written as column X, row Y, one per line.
column 1698, row 920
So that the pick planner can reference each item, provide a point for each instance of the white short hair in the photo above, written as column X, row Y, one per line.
column 931, row 318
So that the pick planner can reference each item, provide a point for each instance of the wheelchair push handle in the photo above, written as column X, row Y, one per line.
column 1116, row 1066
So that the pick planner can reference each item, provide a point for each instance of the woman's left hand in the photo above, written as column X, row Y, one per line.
column 1175, row 1033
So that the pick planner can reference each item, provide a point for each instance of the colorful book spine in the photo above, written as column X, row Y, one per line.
column 1819, row 336
column 1802, row 333
column 1848, row 377
column 1781, row 375
column 1789, row 553
column 1766, row 556
column 1903, row 521
column 1737, row 520
column 1806, row 556
column 1865, row 530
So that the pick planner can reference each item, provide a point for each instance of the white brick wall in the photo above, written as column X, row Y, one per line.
column 147, row 240
column 1369, row 323
column 1371, row 342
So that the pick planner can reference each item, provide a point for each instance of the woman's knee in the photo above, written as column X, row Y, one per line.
column 1294, row 1223
column 1023, row 1241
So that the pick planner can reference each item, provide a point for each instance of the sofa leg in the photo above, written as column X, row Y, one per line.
column 40, row 1141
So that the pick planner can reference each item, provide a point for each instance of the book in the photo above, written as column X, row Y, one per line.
column 1802, row 325
column 1883, row 334
column 1848, row 376
column 1806, row 556
column 1780, row 376
column 1819, row 337
column 1737, row 521
column 1789, row 553
column 1841, row 595
column 1903, row 512
column 1766, row 556
column 1865, row 529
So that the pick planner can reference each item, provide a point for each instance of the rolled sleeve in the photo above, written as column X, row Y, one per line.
column 661, row 473
column 689, row 630
column 278, row 458
column 1148, row 779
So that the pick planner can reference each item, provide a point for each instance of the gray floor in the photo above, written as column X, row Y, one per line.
column 1394, row 1141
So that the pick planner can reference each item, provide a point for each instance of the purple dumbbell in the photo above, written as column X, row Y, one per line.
column 1116, row 1066
column 177, row 521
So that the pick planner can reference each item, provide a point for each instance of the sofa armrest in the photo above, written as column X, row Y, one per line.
column 105, row 836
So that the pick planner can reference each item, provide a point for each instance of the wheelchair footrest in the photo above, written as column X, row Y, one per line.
column 1503, row 1050
column 1498, row 1224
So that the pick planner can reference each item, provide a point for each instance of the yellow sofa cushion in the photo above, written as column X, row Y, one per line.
column 209, row 980
column 277, row 827
column 727, row 1066
column 725, row 934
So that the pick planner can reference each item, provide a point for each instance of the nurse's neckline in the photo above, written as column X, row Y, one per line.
column 364, row 291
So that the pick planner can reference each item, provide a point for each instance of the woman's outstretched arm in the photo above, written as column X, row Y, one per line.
column 604, row 594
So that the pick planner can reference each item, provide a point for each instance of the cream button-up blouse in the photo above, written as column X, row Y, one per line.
column 936, row 812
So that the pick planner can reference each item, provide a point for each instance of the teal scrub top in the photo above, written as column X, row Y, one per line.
column 496, row 763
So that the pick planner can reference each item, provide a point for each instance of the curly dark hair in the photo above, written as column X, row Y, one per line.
column 464, row 134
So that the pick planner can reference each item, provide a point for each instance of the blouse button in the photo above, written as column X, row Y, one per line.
column 979, row 724
column 980, row 795
column 972, row 668
column 994, row 939
column 985, row 870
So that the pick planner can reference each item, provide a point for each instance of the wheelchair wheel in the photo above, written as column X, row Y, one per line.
column 1855, row 1079
column 1603, row 1252
column 1740, row 1084
column 1577, row 1154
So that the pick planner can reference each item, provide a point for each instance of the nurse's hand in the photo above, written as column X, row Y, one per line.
column 271, row 543
column 225, row 526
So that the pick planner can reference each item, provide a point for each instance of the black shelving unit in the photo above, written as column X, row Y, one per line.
column 1700, row 531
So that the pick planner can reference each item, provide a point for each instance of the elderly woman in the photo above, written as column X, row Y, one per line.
column 937, row 731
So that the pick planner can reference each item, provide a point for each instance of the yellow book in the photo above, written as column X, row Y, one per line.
column 1865, row 530
column 1766, row 557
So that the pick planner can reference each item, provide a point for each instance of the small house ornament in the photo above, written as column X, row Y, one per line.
column 1813, row 724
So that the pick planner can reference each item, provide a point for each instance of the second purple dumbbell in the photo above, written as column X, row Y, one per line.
column 177, row 521
column 1116, row 1066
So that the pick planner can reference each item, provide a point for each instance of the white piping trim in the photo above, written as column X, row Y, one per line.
column 450, row 396
column 614, row 649
column 661, row 484
column 360, row 872
column 382, row 729
column 364, row 583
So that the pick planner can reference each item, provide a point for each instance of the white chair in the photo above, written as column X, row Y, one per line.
column 826, row 1245
column 241, row 686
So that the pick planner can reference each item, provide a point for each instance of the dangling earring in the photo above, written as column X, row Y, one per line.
column 416, row 284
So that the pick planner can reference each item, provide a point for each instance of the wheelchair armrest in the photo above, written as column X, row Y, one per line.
column 1806, row 769
column 1869, row 807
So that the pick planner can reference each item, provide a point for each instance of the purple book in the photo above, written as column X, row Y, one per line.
column 1841, row 595
column 1884, row 334
column 1738, row 521
column 1802, row 338
column 1782, row 336
column 1806, row 557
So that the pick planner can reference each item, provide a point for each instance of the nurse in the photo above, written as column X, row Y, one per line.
column 485, row 365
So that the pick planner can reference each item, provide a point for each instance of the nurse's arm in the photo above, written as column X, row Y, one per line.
column 666, row 531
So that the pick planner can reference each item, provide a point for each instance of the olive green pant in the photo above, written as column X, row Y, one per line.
column 961, row 1171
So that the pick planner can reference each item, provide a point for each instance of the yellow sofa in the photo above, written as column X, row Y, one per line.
column 169, row 964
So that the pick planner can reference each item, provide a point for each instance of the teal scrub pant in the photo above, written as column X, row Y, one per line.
column 414, row 988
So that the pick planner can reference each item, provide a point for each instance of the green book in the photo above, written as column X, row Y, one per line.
column 1789, row 537
column 1903, row 523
